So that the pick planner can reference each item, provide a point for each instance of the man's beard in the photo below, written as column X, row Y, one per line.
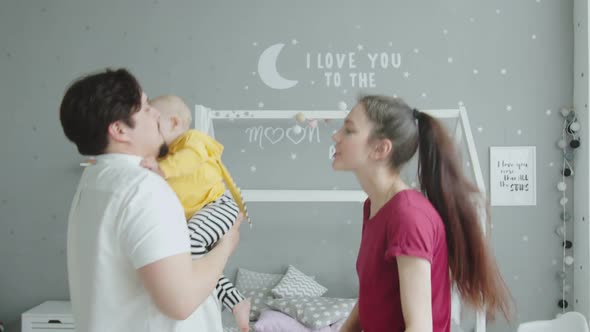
column 163, row 150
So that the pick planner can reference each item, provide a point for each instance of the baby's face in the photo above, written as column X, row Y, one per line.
column 166, row 128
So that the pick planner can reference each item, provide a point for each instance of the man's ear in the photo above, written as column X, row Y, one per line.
column 118, row 131
column 382, row 149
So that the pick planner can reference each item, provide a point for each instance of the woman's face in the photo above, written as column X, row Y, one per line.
column 352, row 148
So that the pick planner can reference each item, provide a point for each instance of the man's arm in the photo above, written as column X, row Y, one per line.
column 178, row 285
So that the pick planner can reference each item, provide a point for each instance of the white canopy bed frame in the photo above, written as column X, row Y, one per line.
column 204, row 121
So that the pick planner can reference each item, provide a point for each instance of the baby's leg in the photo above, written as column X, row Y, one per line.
column 227, row 293
column 210, row 223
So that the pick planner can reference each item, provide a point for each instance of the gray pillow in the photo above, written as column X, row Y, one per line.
column 314, row 312
column 247, row 279
column 296, row 283
column 258, row 298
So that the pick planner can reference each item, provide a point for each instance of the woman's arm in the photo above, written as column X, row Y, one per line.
column 352, row 323
column 415, row 292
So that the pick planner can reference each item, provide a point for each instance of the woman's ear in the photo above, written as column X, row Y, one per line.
column 382, row 149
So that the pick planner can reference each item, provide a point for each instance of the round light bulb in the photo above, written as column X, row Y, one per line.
column 564, row 216
column 562, row 304
column 564, row 111
column 571, row 117
column 297, row 129
column 569, row 156
column 569, row 260
column 563, row 201
column 559, row 230
column 561, row 144
column 561, row 186
column 300, row 117
column 575, row 126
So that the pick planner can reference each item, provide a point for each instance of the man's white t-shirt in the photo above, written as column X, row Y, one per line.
column 124, row 217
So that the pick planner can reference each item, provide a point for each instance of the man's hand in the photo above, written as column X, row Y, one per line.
column 152, row 164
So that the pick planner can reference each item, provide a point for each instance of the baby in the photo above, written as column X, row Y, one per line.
column 194, row 170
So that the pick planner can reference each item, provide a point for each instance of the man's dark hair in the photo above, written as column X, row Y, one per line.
column 95, row 101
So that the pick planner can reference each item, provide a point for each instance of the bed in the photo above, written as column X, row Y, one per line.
column 206, row 120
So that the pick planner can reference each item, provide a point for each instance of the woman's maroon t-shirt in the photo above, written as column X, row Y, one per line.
column 407, row 225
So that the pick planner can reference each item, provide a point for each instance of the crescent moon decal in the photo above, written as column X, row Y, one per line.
column 267, row 69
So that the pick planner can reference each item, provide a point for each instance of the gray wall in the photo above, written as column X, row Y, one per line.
column 582, row 178
column 508, row 62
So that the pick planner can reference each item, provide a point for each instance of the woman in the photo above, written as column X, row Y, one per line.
column 414, row 245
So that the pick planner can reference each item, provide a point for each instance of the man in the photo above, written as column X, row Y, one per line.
column 129, row 264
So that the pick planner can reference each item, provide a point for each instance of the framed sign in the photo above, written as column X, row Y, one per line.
column 513, row 175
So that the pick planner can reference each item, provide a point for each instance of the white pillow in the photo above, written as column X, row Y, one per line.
column 296, row 283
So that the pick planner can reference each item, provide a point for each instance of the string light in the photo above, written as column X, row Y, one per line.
column 569, row 141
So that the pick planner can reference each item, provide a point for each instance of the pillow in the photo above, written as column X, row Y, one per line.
column 258, row 298
column 275, row 321
column 247, row 279
column 295, row 283
column 314, row 312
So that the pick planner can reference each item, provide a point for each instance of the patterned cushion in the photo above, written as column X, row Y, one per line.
column 258, row 298
column 247, row 279
column 314, row 312
column 295, row 283
column 275, row 321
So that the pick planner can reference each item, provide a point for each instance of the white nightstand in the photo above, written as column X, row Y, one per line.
column 49, row 316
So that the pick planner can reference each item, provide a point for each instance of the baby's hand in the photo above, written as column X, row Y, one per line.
column 152, row 165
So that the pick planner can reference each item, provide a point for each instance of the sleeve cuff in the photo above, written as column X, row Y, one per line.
column 396, row 251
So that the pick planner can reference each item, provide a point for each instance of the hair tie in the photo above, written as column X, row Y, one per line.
column 416, row 113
